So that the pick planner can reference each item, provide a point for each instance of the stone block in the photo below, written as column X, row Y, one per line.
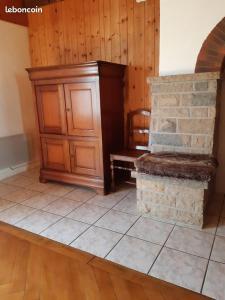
column 154, row 198
column 173, row 87
column 154, row 124
column 199, row 112
column 172, row 112
column 195, row 126
column 198, row 99
column 187, row 193
column 201, row 86
column 212, row 112
column 165, row 100
column 189, row 218
column 199, row 141
column 167, row 125
column 155, row 186
column 171, row 139
column 185, row 204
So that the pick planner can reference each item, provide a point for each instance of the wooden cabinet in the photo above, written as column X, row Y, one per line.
column 80, row 115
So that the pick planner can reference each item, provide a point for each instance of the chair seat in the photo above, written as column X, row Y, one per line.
column 127, row 155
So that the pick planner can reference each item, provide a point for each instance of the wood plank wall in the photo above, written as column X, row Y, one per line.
column 120, row 31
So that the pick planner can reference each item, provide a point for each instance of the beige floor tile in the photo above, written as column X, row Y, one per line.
column 105, row 201
column 40, row 201
column 97, row 241
column 191, row 241
column 214, row 285
column 32, row 173
column 20, row 195
column 180, row 268
column 151, row 230
column 88, row 213
column 134, row 253
column 38, row 221
column 7, row 189
column 116, row 221
column 4, row 204
column 65, row 231
column 81, row 195
column 59, row 190
column 62, row 206
column 20, row 181
column 15, row 213
column 39, row 187
column 218, row 252
column 128, row 205
column 221, row 227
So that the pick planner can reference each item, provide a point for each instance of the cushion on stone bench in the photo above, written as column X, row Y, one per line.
column 187, row 166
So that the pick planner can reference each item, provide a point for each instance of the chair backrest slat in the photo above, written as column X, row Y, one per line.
column 132, row 130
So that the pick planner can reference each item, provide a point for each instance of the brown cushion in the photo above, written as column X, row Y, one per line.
column 187, row 166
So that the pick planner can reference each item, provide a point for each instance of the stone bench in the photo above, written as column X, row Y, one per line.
column 174, row 186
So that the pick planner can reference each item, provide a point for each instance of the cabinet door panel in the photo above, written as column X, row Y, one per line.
column 82, row 109
column 85, row 157
column 51, row 109
column 56, row 154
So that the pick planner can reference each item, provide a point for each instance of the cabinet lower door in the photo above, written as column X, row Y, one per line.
column 51, row 109
column 56, row 154
column 85, row 158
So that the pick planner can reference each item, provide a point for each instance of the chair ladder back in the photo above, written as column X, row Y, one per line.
column 132, row 130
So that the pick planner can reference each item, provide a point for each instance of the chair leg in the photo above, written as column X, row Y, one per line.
column 112, row 175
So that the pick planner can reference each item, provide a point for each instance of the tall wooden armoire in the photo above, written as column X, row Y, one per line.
column 80, row 112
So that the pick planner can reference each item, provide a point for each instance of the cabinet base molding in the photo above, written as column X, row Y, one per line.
column 95, row 183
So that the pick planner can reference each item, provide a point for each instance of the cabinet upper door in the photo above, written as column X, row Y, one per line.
column 82, row 109
column 51, row 109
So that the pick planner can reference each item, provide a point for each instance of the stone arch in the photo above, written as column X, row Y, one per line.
column 212, row 53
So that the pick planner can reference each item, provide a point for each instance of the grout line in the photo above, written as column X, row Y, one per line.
column 92, row 225
column 163, row 246
column 206, row 269
column 122, row 236
column 108, row 210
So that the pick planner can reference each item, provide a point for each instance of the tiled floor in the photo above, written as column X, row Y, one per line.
column 111, row 227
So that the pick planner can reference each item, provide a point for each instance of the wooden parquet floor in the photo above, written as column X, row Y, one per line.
column 35, row 268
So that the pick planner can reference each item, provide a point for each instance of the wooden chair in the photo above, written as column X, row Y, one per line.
column 134, row 149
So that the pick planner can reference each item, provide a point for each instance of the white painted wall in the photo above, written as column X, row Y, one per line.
column 184, row 25
column 14, row 57
column 16, row 100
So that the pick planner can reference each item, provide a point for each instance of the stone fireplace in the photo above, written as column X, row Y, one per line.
column 183, row 124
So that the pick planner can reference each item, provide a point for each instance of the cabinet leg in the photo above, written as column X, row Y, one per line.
column 100, row 191
column 112, row 176
column 43, row 180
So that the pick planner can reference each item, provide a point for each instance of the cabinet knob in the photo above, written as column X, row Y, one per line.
column 68, row 109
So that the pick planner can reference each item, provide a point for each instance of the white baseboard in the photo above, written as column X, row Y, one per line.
column 13, row 170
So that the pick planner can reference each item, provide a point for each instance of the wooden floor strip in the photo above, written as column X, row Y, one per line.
column 34, row 268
